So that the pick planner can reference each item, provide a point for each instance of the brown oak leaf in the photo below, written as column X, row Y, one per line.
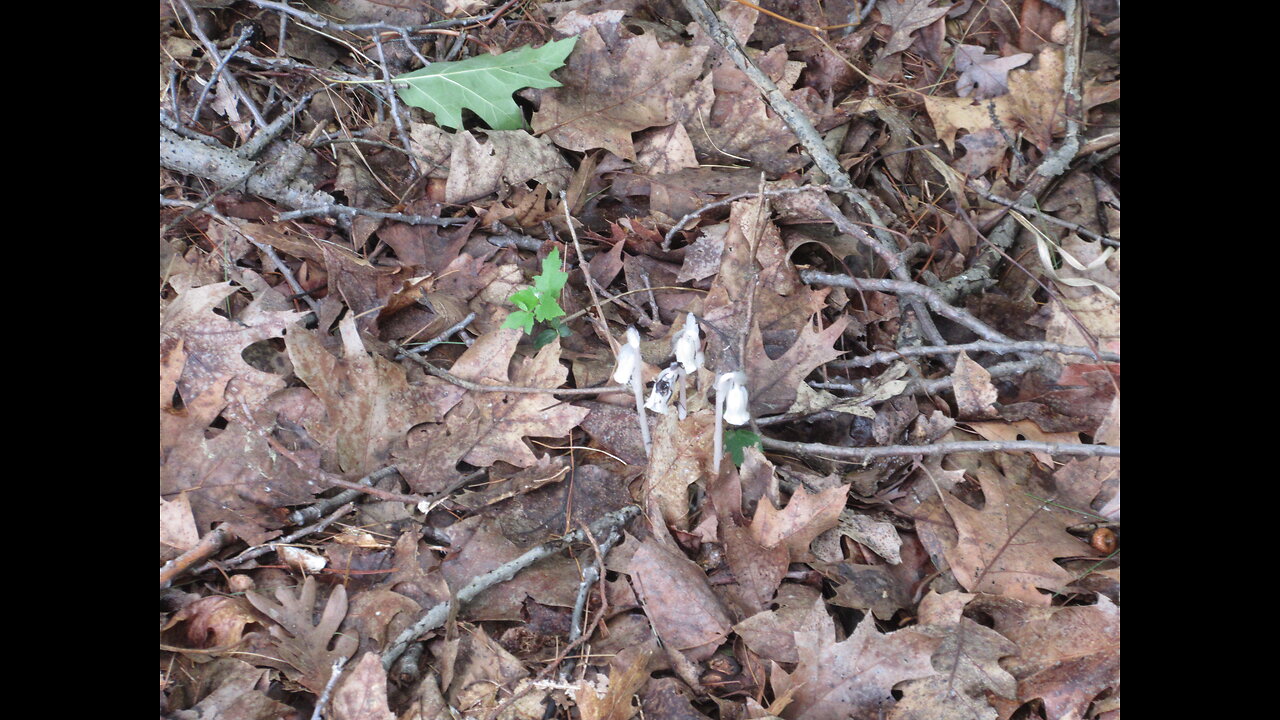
column 369, row 400
column 490, row 426
column 615, row 87
column 967, row 661
column 684, row 611
column 1008, row 547
column 805, row 517
column 855, row 677
column 772, row 383
column 905, row 17
column 302, row 643
column 212, row 345
column 982, row 75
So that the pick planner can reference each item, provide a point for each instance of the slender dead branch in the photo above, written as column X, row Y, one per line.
column 261, row 550
column 211, row 543
column 436, row 616
column 478, row 387
column 1024, row 346
column 868, row 453
column 925, row 293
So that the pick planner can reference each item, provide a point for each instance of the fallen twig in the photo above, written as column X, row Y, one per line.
column 1003, row 348
column 925, row 293
column 211, row 543
column 261, row 550
column 436, row 616
column 868, row 453
column 478, row 387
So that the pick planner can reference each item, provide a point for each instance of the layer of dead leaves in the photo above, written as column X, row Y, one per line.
column 965, row 587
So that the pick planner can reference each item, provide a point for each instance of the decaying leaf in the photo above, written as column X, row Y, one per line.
column 1008, row 547
column 301, row 643
column 369, row 400
column 612, row 88
column 684, row 611
column 854, row 677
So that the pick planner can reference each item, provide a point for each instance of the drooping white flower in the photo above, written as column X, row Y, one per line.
column 664, row 387
column 685, row 345
column 628, row 358
column 736, row 403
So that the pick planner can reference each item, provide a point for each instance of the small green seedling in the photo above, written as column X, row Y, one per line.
column 540, row 303
column 735, row 441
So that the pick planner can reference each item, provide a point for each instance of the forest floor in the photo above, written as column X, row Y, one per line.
column 603, row 359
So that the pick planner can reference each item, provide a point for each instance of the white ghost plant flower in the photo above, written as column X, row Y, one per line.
column 629, row 372
column 685, row 346
column 664, row 388
column 628, row 358
column 731, row 407
column 735, row 403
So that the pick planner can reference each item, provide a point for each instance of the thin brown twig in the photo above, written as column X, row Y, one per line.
column 949, row 448
column 436, row 615
column 1003, row 348
column 478, row 387
column 211, row 543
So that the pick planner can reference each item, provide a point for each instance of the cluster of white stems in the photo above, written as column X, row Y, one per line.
column 731, row 391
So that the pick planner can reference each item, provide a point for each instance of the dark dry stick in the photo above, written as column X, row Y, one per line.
column 925, row 293
column 867, row 453
column 424, row 347
column 467, row 384
column 888, row 356
column 261, row 550
column 211, row 543
column 212, row 50
column 435, row 617
column 343, row 211
column 336, row 670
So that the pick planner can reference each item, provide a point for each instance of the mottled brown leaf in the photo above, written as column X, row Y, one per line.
column 362, row 692
column 212, row 344
column 967, row 661
column 906, row 17
column 1008, row 547
column 613, row 88
column 1067, row 655
column 684, row 611
column 369, row 399
column 975, row 395
column 773, row 383
column 852, row 678
column 805, row 517
column 302, row 643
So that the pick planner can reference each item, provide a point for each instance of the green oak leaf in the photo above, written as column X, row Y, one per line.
column 484, row 84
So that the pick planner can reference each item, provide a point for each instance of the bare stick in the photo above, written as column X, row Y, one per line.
column 454, row 379
column 334, row 209
column 312, row 512
column 586, row 275
column 436, row 616
column 864, row 454
column 888, row 356
column 295, row 536
column 212, row 49
column 328, row 687
column 927, row 294
column 211, row 543
column 424, row 347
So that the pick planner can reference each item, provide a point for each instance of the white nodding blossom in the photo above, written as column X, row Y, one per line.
column 732, row 385
column 685, row 346
column 628, row 358
column 663, row 388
